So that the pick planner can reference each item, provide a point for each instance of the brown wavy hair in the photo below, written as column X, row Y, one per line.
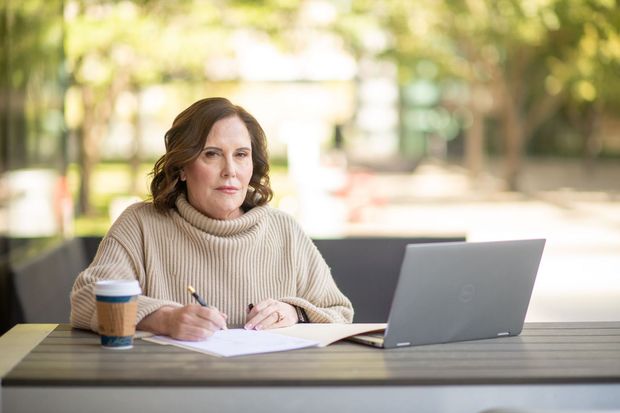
column 186, row 139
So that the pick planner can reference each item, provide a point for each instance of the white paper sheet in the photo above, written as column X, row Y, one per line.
column 237, row 342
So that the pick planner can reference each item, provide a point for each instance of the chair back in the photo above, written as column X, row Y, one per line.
column 366, row 270
column 43, row 283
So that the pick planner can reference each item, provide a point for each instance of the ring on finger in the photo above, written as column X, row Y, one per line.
column 279, row 317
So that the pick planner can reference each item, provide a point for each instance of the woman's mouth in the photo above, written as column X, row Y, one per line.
column 227, row 189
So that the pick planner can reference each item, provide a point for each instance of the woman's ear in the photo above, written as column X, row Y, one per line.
column 182, row 175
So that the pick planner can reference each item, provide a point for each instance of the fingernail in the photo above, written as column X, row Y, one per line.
column 248, row 326
column 259, row 327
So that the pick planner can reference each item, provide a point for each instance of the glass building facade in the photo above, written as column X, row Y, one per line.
column 34, row 198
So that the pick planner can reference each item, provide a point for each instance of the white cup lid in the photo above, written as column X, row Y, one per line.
column 117, row 288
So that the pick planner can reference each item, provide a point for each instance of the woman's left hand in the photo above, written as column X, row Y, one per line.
column 271, row 313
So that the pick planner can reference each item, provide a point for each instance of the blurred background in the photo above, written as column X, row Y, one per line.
column 487, row 119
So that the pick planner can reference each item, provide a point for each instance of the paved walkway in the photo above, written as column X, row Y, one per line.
column 578, row 214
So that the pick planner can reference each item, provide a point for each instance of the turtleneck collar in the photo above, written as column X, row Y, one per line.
column 218, row 227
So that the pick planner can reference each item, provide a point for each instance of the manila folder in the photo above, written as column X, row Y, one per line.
column 328, row 333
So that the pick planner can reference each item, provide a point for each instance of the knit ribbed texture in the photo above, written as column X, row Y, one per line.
column 231, row 263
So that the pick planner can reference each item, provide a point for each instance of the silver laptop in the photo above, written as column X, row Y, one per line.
column 457, row 291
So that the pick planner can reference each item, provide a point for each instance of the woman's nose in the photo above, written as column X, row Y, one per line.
column 229, row 168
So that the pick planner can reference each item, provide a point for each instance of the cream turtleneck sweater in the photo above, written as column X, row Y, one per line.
column 231, row 263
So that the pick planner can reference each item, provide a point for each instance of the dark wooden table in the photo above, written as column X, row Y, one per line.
column 550, row 366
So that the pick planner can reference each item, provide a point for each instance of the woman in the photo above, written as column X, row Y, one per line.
column 209, row 226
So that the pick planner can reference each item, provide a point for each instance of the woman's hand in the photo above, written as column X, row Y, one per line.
column 191, row 322
column 271, row 313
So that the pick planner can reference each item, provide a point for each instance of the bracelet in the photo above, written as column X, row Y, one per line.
column 302, row 317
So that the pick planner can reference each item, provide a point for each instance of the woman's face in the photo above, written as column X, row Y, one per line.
column 217, row 181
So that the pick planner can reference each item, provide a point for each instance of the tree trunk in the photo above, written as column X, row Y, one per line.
column 86, row 167
column 97, row 114
column 513, row 139
column 591, row 140
column 474, row 145
column 135, row 159
column 85, row 144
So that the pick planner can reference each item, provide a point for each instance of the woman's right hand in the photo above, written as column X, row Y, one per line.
column 191, row 322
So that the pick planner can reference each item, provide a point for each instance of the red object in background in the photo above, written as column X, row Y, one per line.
column 63, row 206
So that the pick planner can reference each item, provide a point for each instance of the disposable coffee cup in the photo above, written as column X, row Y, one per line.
column 117, row 308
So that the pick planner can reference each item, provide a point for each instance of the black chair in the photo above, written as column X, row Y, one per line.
column 366, row 270
column 90, row 245
column 10, row 310
column 43, row 283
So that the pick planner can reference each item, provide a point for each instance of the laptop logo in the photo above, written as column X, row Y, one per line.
column 467, row 293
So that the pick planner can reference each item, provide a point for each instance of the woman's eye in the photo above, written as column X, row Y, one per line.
column 242, row 154
column 210, row 154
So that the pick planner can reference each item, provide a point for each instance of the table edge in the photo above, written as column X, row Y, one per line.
column 19, row 341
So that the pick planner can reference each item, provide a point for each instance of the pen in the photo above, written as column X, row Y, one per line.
column 196, row 296
column 202, row 302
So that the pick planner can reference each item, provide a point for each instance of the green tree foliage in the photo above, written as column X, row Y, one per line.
column 31, row 84
column 114, row 47
column 534, row 58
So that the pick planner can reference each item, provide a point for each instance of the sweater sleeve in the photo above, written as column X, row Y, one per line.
column 115, row 260
column 317, row 292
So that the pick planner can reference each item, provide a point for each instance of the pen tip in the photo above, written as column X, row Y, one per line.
column 191, row 289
